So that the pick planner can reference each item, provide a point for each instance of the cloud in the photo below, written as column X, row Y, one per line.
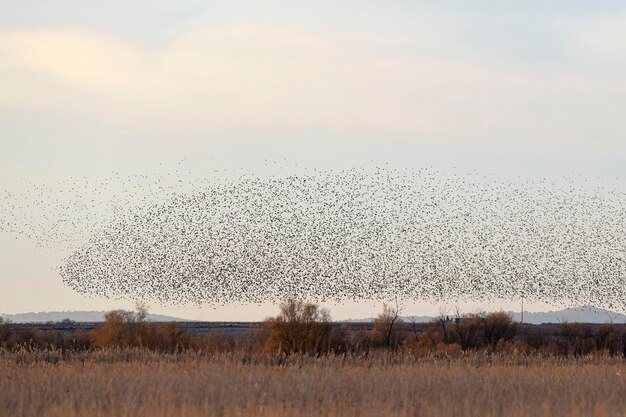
column 257, row 77
column 224, row 76
column 234, row 75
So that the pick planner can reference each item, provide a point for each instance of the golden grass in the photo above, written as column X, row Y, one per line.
column 138, row 383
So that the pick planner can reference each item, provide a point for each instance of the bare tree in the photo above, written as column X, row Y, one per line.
column 141, row 308
column 386, row 323
column 301, row 327
column 442, row 320
column 416, row 331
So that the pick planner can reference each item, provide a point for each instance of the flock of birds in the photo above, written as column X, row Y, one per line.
column 332, row 236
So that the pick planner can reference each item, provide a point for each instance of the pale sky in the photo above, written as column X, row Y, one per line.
column 88, row 89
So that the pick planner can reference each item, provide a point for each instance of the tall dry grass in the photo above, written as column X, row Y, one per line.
column 140, row 383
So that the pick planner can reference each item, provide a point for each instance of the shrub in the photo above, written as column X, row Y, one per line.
column 576, row 339
column 215, row 342
column 119, row 330
column 5, row 331
column 469, row 332
column 498, row 327
column 342, row 340
column 607, row 338
column 301, row 327
column 124, row 329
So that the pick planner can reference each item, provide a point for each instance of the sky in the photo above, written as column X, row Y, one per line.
column 95, row 89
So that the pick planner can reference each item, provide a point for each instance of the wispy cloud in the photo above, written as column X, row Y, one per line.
column 252, row 76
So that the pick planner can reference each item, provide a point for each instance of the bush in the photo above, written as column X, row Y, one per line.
column 5, row 331
column 607, row 339
column 215, row 342
column 477, row 331
column 342, row 340
column 498, row 327
column 127, row 329
column 469, row 332
column 119, row 330
column 299, row 328
column 576, row 339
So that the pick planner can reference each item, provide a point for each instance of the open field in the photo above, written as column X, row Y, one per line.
column 299, row 363
column 140, row 383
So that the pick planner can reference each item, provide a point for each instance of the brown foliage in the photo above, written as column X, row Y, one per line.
column 469, row 332
column 5, row 331
column 498, row 327
column 472, row 331
column 607, row 338
column 388, row 328
column 120, row 330
column 145, row 384
column 13, row 338
column 301, row 327
column 126, row 329
column 576, row 339
column 342, row 340
column 214, row 342
column 306, row 329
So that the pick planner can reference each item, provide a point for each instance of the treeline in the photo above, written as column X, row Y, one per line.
column 305, row 328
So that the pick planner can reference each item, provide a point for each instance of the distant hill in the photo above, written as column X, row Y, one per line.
column 79, row 316
column 585, row 314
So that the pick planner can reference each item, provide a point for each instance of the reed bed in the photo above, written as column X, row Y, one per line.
column 140, row 383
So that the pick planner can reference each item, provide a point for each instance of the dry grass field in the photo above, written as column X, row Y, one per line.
column 140, row 383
